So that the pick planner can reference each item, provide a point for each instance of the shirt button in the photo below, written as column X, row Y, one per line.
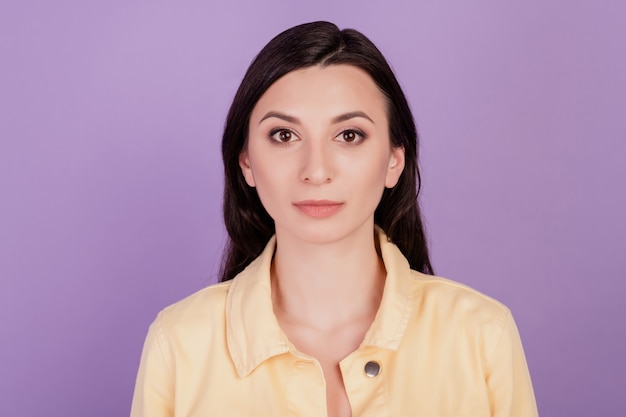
column 372, row 369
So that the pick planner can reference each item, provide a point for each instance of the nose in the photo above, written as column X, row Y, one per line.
column 316, row 167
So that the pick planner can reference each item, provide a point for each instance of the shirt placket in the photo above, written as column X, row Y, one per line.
column 306, row 390
column 364, row 375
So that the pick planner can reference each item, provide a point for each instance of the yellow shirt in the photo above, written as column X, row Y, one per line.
column 436, row 348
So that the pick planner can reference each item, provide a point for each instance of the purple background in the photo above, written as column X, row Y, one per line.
column 110, row 176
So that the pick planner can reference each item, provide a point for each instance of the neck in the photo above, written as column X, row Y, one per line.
column 327, row 285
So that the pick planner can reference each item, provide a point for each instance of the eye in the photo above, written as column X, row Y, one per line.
column 351, row 136
column 282, row 135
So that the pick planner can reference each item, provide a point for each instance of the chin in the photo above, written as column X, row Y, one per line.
column 323, row 232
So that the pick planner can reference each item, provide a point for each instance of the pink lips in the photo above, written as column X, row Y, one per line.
column 318, row 209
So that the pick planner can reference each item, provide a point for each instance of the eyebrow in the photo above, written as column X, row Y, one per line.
column 351, row 115
column 337, row 119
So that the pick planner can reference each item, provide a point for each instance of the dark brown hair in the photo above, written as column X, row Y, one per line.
column 318, row 43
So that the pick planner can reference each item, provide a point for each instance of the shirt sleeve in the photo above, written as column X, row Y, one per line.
column 508, row 380
column 154, row 388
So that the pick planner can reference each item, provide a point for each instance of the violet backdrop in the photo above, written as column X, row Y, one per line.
column 110, row 176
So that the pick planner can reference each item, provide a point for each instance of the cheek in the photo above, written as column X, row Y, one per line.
column 269, row 178
column 370, row 176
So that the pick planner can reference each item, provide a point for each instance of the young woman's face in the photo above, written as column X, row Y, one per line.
column 319, row 152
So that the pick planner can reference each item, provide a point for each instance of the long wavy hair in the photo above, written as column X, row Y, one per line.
column 249, row 226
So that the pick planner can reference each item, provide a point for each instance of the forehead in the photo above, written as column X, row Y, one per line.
column 329, row 89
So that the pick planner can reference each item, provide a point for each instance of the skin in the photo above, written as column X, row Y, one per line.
column 320, row 156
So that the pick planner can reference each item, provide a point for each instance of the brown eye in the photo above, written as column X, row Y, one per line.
column 351, row 136
column 282, row 136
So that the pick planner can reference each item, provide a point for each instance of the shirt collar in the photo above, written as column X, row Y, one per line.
column 252, row 331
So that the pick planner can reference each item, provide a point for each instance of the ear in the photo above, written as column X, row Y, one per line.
column 244, row 163
column 396, row 166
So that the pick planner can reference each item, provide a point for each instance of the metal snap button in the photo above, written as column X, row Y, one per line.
column 372, row 368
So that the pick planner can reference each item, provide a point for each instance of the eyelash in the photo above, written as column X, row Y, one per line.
column 361, row 136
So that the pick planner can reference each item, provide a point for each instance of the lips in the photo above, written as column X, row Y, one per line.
column 318, row 209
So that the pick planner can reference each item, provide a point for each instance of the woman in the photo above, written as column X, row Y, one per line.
column 327, row 305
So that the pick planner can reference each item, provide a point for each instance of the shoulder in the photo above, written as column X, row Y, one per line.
column 457, row 303
column 202, row 308
column 434, row 298
column 453, row 291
